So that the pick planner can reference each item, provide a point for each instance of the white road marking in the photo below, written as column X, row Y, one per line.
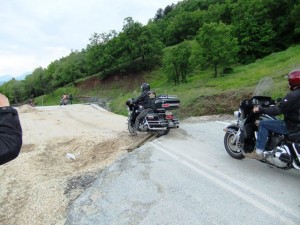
column 187, row 162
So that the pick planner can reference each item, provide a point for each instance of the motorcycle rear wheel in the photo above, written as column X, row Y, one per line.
column 232, row 149
column 163, row 132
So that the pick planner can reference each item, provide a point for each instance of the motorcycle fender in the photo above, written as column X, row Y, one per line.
column 231, row 128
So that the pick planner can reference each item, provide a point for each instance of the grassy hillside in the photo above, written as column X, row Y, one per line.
column 201, row 95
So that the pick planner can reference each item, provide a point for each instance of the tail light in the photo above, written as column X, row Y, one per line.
column 169, row 115
column 167, row 105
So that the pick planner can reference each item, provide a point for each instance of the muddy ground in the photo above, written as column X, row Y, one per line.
column 64, row 149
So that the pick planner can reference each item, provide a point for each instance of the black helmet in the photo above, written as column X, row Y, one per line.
column 145, row 87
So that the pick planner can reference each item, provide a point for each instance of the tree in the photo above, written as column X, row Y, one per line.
column 51, row 74
column 176, row 62
column 218, row 12
column 135, row 47
column 281, row 14
column 182, row 27
column 170, row 67
column 36, row 82
column 159, row 14
column 168, row 9
column 296, row 20
column 14, row 91
column 73, row 67
column 149, row 45
column 218, row 46
column 96, row 51
column 132, row 31
column 253, row 28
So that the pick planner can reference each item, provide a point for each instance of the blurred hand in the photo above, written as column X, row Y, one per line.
column 3, row 101
column 256, row 109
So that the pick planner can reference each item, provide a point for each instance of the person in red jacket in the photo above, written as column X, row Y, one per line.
column 10, row 131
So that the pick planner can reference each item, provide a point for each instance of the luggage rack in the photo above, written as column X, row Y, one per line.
column 167, row 96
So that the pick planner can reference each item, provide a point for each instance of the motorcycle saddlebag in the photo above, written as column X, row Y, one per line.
column 167, row 102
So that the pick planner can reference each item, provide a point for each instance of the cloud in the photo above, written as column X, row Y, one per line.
column 34, row 33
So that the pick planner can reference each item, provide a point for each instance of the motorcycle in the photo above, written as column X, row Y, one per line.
column 64, row 101
column 282, row 151
column 159, row 120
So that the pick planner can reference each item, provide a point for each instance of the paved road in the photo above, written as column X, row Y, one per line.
column 187, row 177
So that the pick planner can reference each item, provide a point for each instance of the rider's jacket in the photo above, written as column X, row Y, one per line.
column 144, row 100
column 289, row 107
column 10, row 134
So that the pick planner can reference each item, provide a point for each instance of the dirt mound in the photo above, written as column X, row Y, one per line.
column 26, row 109
column 37, row 187
column 224, row 103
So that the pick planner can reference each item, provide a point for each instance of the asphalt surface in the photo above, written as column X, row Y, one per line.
column 187, row 177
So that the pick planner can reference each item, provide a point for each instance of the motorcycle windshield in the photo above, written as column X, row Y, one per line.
column 264, row 87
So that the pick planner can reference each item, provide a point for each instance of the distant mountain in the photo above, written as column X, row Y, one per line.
column 23, row 76
column 6, row 78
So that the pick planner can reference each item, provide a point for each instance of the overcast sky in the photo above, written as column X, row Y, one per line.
column 34, row 33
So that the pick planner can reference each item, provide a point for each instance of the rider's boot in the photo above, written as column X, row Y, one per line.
column 255, row 155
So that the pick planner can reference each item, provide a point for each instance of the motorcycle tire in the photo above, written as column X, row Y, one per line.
column 130, row 127
column 162, row 132
column 232, row 149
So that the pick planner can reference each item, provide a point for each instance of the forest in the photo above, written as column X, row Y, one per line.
column 182, row 37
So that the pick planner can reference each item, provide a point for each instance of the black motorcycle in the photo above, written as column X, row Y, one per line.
column 282, row 151
column 159, row 120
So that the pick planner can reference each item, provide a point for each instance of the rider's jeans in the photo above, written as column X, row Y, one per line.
column 265, row 126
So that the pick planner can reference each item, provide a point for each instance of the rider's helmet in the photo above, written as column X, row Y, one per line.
column 145, row 87
column 294, row 79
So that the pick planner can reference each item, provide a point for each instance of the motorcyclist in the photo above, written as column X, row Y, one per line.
column 63, row 99
column 145, row 101
column 10, row 131
column 289, row 106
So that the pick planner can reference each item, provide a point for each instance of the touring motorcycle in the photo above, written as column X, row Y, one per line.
column 282, row 151
column 159, row 120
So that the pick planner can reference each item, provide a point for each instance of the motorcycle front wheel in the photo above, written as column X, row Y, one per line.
column 130, row 126
column 232, row 146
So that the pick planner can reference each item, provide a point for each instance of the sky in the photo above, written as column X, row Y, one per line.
column 34, row 33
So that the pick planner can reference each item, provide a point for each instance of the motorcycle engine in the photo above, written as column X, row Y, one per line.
column 280, row 157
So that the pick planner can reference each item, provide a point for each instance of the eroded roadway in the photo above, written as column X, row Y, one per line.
column 187, row 177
